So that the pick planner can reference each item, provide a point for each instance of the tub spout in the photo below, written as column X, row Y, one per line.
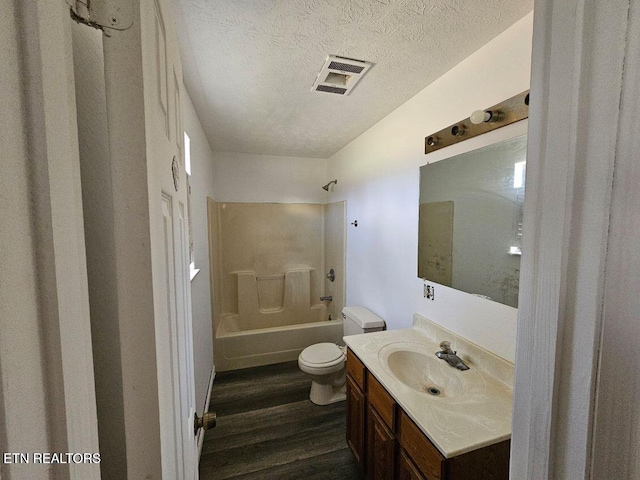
column 327, row 298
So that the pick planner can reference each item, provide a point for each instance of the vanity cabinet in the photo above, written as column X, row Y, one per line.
column 389, row 445
column 356, row 405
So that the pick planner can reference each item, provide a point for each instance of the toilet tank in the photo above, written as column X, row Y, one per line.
column 360, row 320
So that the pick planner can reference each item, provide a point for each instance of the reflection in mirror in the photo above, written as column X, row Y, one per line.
column 470, row 220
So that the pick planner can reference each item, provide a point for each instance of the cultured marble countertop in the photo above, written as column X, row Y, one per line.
column 474, row 409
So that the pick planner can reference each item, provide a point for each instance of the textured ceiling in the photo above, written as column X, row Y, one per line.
column 250, row 64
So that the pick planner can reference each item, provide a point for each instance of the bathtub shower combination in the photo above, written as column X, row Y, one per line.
column 269, row 265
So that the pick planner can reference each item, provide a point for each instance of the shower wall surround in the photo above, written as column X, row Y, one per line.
column 271, row 272
column 262, row 244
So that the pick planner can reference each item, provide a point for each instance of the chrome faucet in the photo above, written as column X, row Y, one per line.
column 450, row 356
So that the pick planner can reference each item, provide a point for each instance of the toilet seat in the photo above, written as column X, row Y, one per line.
column 322, row 355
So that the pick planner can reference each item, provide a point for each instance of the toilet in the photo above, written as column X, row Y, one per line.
column 325, row 363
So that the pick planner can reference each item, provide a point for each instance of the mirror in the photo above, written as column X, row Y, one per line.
column 470, row 220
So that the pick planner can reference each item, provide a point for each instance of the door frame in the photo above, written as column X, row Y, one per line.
column 576, row 139
column 55, row 369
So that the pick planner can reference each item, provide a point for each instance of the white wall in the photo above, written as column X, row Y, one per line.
column 244, row 177
column 202, row 186
column 378, row 176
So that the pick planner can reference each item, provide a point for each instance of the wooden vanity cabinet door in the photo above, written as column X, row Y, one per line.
column 355, row 420
column 381, row 446
column 420, row 449
column 406, row 469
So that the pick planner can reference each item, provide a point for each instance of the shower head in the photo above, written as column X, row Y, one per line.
column 326, row 187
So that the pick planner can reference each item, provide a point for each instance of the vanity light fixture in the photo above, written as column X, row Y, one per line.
column 504, row 113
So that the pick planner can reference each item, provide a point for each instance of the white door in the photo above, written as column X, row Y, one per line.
column 169, row 240
column 175, row 365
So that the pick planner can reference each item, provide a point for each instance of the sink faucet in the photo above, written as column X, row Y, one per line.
column 450, row 356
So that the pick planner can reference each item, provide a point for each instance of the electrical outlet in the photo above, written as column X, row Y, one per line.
column 429, row 291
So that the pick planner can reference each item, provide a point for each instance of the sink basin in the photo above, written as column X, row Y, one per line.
column 421, row 370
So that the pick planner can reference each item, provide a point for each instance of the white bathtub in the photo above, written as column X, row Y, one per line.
column 235, row 348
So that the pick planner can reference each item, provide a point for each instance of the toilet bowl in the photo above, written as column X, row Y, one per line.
column 325, row 363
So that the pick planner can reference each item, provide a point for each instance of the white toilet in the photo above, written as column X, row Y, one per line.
column 325, row 363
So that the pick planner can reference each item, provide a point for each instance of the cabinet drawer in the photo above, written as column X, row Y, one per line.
column 356, row 369
column 384, row 403
column 420, row 449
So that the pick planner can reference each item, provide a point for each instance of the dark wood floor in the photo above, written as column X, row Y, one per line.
column 268, row 429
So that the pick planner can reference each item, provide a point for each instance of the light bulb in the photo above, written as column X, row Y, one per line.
column 480, row 116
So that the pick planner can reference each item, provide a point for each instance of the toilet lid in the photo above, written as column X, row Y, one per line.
column 326, row 354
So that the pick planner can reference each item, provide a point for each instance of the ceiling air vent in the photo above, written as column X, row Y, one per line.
column 340, row 74
column 329, row 89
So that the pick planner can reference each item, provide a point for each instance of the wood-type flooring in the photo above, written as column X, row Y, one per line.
column 268, row 429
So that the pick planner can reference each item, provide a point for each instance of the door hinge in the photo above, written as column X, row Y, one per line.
column 103, row 14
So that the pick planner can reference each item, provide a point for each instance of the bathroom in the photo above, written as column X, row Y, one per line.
column 111, row 118
column 378, row 179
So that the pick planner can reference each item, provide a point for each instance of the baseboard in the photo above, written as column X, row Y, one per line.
column 206, row 409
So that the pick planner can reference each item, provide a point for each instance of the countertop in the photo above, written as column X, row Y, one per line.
column 455, row 423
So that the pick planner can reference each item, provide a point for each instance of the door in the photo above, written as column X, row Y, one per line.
column 380, row 447
column 175, row 370
column 407, row 469
column 355, row 420
column 168, row 218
